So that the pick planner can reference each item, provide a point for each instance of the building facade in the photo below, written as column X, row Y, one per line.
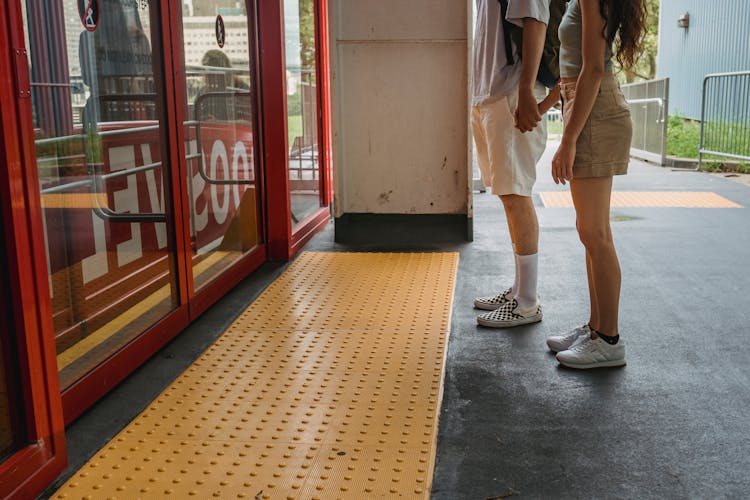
column 697, row 38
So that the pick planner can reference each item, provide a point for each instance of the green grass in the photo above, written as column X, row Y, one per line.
column 554, row 128
column 727, row 137
column 295, row 128
column 683, row 137
column 683, row 141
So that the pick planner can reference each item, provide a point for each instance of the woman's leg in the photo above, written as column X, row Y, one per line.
column 591, row 197
column 594, row 306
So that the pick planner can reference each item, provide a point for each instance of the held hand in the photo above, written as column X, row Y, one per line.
column 562, row 163
column 552, row 98
column 527, row 115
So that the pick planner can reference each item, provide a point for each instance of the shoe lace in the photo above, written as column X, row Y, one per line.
column 586, row 345
column 577, row 333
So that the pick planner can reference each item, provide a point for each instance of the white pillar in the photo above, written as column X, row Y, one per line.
column 400, row 99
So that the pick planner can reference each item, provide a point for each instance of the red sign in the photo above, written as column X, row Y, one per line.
column 88, row 11
column 221, row 33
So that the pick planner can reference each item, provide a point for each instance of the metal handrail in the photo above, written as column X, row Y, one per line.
column 197, row 124
column 98, row 180
column 68, row 186
column 130, row 171
column 103, row 133
column 649, row 103
column 106, row 213
column 658, row 100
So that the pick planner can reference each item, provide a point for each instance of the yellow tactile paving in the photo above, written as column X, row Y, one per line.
column 647, row 199
column 74, row 200
column 327, row 386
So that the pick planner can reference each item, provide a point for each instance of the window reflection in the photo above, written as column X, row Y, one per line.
column 220, row 130
column 302, row 108
column 98, row 125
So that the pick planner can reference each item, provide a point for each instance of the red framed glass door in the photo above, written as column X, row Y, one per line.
column 218, row 104
column 150, row 179
column 296, row 85
column 100, row 140
column 147, row 165
column 32, row 441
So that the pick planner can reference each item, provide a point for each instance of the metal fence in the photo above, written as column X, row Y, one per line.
column 725, row 116
column 649, row 109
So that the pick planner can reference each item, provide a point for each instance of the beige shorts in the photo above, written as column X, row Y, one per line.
column 507, row 157
column 603, row 148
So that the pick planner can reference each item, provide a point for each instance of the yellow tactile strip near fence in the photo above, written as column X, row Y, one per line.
column 327, row 386
column 647, row 199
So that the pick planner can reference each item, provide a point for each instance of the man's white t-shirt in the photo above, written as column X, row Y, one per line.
column 494, row 78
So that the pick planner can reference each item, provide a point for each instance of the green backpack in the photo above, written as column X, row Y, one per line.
column 549, row 66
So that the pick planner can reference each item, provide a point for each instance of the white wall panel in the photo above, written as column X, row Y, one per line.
column 402, row 19
column 400, row 106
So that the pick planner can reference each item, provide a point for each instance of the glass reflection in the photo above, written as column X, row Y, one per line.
column 220, row 148
column 302, row 108
column 98, row 125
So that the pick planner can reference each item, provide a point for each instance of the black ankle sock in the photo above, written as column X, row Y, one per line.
column 609, row 339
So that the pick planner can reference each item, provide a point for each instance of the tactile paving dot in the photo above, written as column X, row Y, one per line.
column 327, row 386
column 225, row 420
column 159, row 468
column 369, row 472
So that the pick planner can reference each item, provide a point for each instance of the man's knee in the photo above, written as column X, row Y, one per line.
column 511, row 201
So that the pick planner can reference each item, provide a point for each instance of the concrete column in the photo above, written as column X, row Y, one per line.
column 400, row 99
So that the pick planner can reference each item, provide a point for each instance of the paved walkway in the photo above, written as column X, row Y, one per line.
column 672, row 424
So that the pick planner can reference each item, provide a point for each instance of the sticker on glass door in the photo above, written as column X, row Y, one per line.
column 88, row 10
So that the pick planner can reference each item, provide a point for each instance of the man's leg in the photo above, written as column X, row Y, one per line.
column 484, row 133
column 523, row 224
column 524, row 233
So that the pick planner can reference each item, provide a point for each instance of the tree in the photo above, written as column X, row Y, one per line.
column 645, row 67
column 307, row 39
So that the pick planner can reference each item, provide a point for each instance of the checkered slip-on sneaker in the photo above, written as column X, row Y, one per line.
column 493, row 302
column 593, row 353
column 509, row 314
column 559, row 343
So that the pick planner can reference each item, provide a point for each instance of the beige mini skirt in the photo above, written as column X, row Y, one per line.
column 603, row 148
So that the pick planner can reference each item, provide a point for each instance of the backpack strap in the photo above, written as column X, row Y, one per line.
column 506, row 32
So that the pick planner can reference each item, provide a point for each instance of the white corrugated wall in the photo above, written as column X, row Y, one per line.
column 717, row 41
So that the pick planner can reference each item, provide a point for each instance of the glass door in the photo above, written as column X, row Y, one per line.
column 303, row 120
column 11, row 408
column 32, row 440
column 219, row 109
column 98, row 100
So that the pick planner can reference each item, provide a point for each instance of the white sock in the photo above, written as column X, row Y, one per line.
column 526, row 275
column 514, row 288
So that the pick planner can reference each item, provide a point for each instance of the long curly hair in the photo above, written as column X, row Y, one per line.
column 626, row 23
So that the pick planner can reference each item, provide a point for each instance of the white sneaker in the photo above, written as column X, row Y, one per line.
column 493, row 302
column 510, row 314
column 559, row 343
column 593, row 353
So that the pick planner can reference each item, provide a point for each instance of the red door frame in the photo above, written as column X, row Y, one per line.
column 30, row 470
column 34, row 467
column 199, row 302
column 86, row 391
column 283, row 241
column 81, row 395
